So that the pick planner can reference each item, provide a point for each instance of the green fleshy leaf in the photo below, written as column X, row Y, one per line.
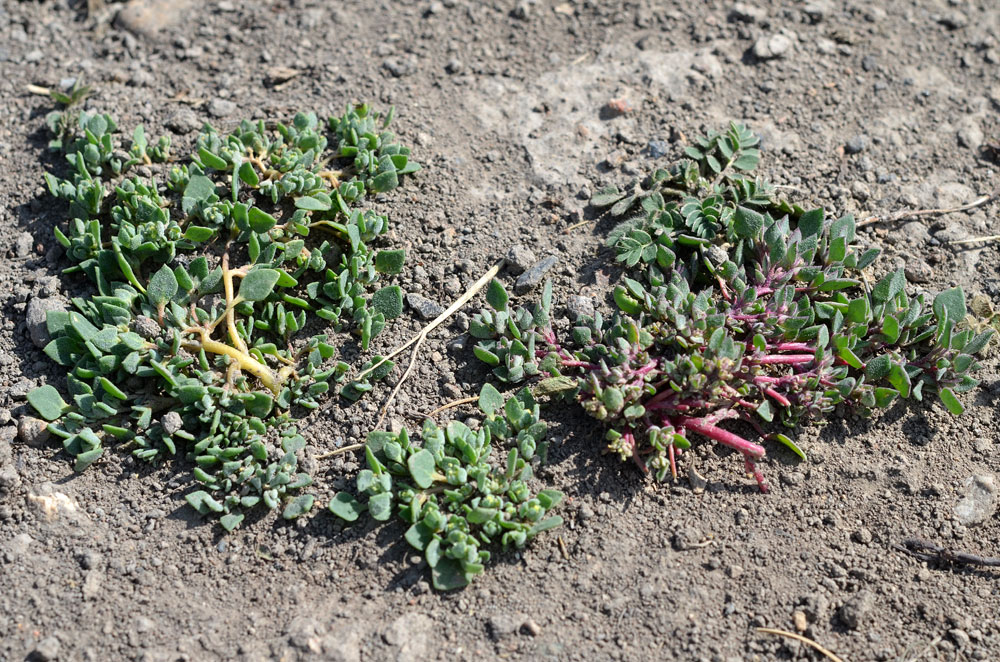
column 301, row 505
column 47, row 402
column 162, row 286
column 390, row 262
column 388, row 301
column 490, row 399
column 346, row 507
column 258, row 284
column 421, row 465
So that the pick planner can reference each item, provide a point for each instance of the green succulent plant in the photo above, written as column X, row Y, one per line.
column 199, row 339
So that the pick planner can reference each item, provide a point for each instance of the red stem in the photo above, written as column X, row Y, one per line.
column 724, row 437
column 784, row 359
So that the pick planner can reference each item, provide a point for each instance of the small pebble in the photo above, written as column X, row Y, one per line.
column 424, row 307
column 531, row 627
column 519, row 258
column 533, row 276
column 33, row 431
column 856, row 145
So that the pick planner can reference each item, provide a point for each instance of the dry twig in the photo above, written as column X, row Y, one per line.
column 798, row 637
column 900, row 215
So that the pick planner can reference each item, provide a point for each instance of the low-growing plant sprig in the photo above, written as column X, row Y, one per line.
column 200, row 356
column 455, row 501
column 736, row 306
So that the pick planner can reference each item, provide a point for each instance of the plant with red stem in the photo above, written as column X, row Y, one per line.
column 731, row 313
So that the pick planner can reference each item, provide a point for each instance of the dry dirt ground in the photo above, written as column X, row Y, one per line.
column 865, row 107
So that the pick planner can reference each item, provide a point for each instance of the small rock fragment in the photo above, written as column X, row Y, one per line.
column 658, row 149
column 171, row 422
column 970, row 134
column 979, row 500
column 399, row 66
column 35, row 315
column 953, row 20
column 147, row 18
column 519, row 258
column 183, row 121
column 533, row 276
column 33, row 431
column 47, row 649
column 856, row 145
column 856, row 610
column 801, row 623
column 771, row 47
column 531, row 627
column 220, row 108
column 580, row 306
column 918, row 271
column 423, row 306
column 953, row 194
column 746, row 13
column 146, row 327
column 23, row 243
column 501, row 625
column 697, row 481
column 862, row 536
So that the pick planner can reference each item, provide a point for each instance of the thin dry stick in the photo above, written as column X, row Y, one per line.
column 417, row 340
column 453, row 403
column 900, row 215
column 461, row 301
column 959, row 242
column 926, row 649
column 576, row 225
column 340, row 451
column 799, row 637
column 399, row 384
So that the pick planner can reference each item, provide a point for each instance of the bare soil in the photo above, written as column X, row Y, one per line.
column 865, row 107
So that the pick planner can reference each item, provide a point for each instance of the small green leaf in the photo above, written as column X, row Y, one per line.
column 390, row 262
column 952, row 303
column 260, row 221
column 385, row 181
column 310, row 203
column 490, row 399
column 231, row 521
column 790, row 444
column 199, row 189
column 380, row 506
column 545, row 525
column 890, row 285
column 388, row 301
column 301, row 505
column 951, row 402
column 496, row 295
column 747, row 223
column 212, row 160
column 47, row 402
column 162, row 286
column 198, row 233
column 85, row 459
column 421, row 465
column 258, row 284
column 346, row 507
column 248, row 174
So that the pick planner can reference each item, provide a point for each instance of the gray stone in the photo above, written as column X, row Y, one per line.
column 423, row 306
column 35, row 316
column 502, row 625
column 147, row 18
column 747, row 13
column 862, row 536
column 685, row 538
column 9, row 480
column 857, row 609
column 411, row 632
column 978, row 502
column 657, row 149
column 146, row 327
column 519, row 258
column 183, row 121
column 533, row 276
column 917, row 270
column 817, row 11
column 773, row 46
column 47, row 649
column 970, row 133
column 171, row 422
column 342, row 643
column 454, row 66
column 580, row 306
column 23, row 244
column 33, row 431
column 856, row 145
column 953, row 194
column 399, row 66
column 220, row 108
column 953, row 20
column 18, row 546
column 791, row 478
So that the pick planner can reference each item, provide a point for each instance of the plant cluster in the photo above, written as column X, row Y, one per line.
column 196, row 339
column 735, row 306
column 455, row 501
